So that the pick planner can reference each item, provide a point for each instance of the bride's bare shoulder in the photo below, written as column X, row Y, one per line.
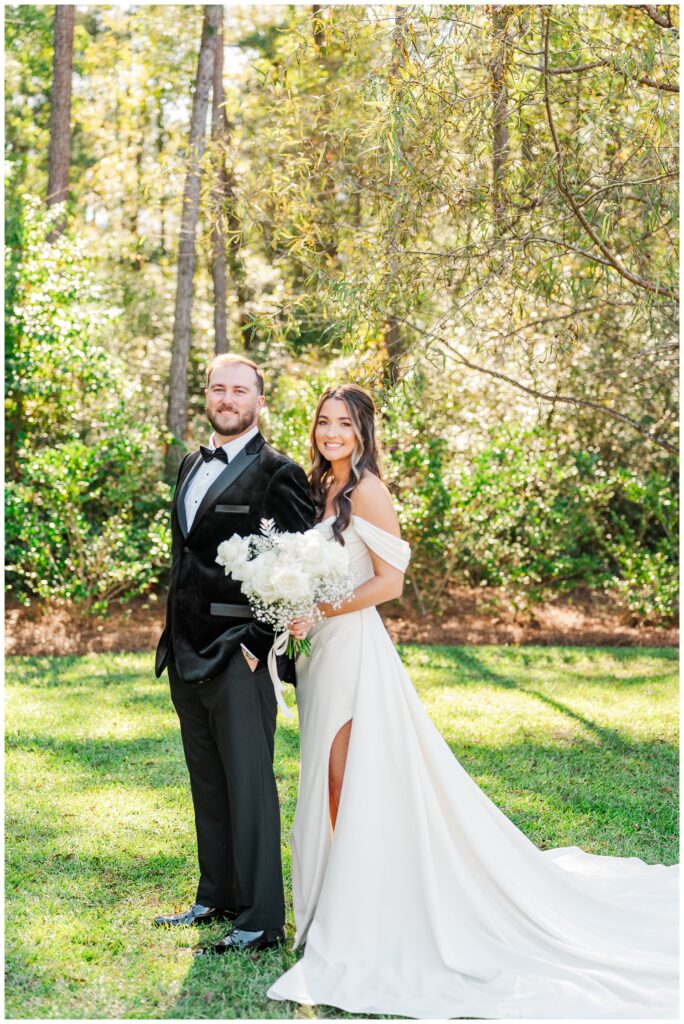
column 371, row 488
column 373, row 502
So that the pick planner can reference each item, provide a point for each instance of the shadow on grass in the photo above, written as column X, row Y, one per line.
column 557, row 790
column 573, row 778
column 465, row 666
column 235, row 986
column 477, row 670
column 28, row 979
column 609, row 737
column 231, row 986
column 88, row 880
column 144, row 761
column 76, row 670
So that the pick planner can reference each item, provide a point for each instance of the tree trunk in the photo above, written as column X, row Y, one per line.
column 161, row 140
column 131, row 206
column 323, row 142
column 393, row 337
column 318, row 26
column 60, row 111
column 227, row 263
column 500, row 144
column 178, row 383
column 219, row 194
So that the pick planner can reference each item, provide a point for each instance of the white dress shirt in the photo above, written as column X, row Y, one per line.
column 207, row 472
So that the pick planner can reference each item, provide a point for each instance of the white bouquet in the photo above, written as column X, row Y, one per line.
column 284, row 576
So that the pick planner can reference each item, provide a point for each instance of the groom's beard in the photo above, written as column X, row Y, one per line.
column 229, row 422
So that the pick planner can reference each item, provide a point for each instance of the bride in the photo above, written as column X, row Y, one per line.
column 413, row 894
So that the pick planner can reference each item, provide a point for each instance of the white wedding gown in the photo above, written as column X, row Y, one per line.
column 427, row 901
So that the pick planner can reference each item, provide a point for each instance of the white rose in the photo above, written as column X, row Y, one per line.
column 291, row 584
column 266, row 562
column 261, row 586
column 336, row 560
column 232, row 555
column 313, row 553
column 247, row 571
column 262, row 576
column 290, row 546
column 259, row 576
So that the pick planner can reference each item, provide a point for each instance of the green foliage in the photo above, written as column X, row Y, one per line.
column 85, row 505
column 418, row 465
column 529, row 515
column 59, row 374
column 362, row 195
column 86, row 521
column 289, row 417
column 645, row 544
column 648, row 582
column 532, row 515
column 28, row 72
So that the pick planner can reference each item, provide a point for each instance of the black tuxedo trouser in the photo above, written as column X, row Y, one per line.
column 228, row 728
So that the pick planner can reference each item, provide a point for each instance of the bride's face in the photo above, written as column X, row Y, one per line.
column 334, row 433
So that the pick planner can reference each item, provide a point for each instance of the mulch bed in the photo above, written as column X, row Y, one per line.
column 473, row 616
column 584, row 618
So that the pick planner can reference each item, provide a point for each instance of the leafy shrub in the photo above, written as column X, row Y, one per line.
column 290, row 408
column 644, row 544
column 85, row 501
column 87, row 523
column 418, row 465
column 534, row 516
column 529, row 514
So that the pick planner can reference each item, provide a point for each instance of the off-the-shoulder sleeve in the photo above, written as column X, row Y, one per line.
column 390, row 548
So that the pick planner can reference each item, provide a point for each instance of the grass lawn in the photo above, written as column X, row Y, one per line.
column 577, row 745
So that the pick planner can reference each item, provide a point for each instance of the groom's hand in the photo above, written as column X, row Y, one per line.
column 251, row 660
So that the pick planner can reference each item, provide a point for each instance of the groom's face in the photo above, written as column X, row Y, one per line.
column 233, row 400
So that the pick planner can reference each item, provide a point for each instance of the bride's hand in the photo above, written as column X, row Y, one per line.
column 300, row 628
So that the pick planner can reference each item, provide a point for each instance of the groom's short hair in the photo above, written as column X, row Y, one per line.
column 228, row 359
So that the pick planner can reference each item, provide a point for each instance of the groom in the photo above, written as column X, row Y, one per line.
column 216, row 655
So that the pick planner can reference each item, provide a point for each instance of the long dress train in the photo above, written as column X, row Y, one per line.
column 426, row 901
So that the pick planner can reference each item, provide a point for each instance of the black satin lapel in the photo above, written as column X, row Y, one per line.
column 228, row 476
column 179, row 497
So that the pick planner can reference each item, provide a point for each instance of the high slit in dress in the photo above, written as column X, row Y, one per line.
column 426, row 901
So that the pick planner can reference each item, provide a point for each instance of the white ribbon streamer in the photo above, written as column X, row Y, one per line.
column 279, row 647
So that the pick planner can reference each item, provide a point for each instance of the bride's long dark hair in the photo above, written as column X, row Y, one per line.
column 364, row 457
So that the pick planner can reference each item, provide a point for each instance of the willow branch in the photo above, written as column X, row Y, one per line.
column 652, row 12
column 540, row 239
column 576, row 69
column 629, row 184
column 652, row 84
column 570, row 199
column 564, row 399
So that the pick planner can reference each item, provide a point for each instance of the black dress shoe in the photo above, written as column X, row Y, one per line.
column 239, row 939
column 197, row 914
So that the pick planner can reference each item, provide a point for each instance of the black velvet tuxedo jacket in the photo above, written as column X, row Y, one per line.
column 207, row 616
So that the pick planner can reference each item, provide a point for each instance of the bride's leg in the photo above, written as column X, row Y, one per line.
column 336, row 765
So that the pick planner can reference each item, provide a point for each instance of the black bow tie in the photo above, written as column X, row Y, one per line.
column 214, row 453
